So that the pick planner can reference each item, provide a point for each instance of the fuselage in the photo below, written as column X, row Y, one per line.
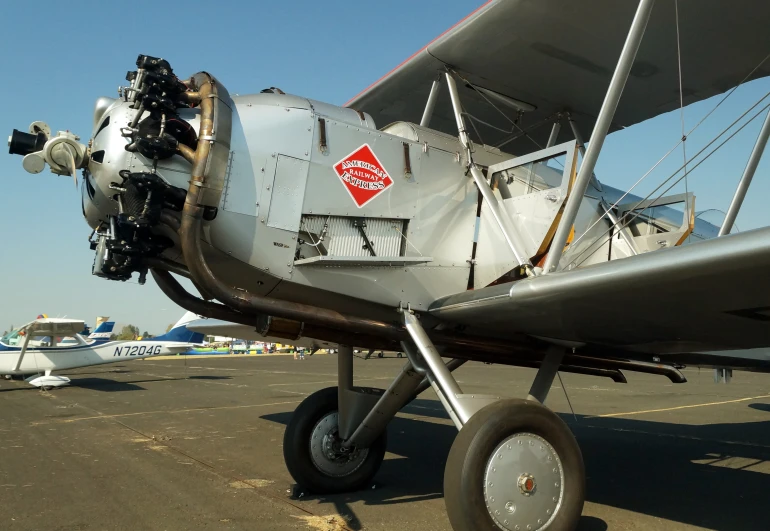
column 40, row 359
column 290, row 223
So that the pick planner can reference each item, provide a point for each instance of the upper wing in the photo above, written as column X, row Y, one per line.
column 559, row 56
column 707, row 296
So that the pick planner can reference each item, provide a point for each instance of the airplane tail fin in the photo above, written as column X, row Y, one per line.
column 180, row 333
column 103, row 331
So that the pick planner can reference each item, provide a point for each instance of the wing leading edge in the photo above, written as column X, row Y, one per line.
column 707, row 296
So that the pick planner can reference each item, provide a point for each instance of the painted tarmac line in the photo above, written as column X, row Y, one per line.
column 332, row 381
column 140, row 413
column 606, row 415
column 673, row 436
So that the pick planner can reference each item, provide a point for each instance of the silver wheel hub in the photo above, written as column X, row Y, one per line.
column 524, row 483
column 326, row 449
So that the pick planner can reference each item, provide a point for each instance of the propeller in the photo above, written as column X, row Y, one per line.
column 72, row 166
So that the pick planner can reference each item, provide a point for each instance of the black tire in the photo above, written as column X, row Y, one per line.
column 475, row 444
column 297, row 452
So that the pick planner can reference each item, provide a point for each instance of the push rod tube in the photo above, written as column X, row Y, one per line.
column 748, row 175
column 601, row 128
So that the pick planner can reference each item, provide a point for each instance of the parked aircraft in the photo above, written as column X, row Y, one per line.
column 51, row 344
column 470, row 226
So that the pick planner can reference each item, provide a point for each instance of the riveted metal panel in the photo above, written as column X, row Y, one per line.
column 245, row 172
column 493, row 256
column 288, row 192
column 326, row 193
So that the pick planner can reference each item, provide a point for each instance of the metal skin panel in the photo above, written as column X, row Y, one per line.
column 342, row 114
column 493, row 257
column 442, row 225
column 288, row 190
column 247, row 239
column 326, row 194
column 437, row 199
column 707, row 296
column 483, row 155
column 243, row 178
column 268, row 130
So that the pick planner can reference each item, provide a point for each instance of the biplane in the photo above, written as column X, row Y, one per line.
column 450, row 211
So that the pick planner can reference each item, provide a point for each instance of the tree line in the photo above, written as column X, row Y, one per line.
column 131, row 332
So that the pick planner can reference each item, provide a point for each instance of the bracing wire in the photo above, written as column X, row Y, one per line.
column 665, row 156
column 566, row 395
column 495, row 107
column 681, row 105
column 625, row 194
column 704, row 159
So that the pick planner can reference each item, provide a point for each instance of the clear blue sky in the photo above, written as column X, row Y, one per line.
column 58, row 57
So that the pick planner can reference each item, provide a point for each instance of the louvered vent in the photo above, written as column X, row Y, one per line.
column 343, row 236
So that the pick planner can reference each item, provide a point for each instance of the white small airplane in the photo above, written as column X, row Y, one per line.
column 45, row 345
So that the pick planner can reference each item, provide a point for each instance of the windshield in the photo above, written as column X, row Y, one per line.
column 12, row 338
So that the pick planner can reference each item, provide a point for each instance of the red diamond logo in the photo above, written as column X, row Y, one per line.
column 362, row 175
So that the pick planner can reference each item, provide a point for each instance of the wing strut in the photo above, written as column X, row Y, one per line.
column 23, row 351
column 554, row 133
column 431, row 103
column 607, row 112
column 581, row 146
column 748, row 174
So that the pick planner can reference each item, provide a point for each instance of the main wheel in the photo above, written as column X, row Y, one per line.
column 515, row 466
column 313, row 449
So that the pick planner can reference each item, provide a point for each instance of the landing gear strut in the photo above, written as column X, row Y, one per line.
column 313, row 451
column 515, row 465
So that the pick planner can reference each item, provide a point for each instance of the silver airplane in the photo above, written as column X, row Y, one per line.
column 467, row 225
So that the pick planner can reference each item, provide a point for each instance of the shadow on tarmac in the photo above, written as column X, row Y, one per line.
column 112, row 386
column 715, row 476
column 107, row 385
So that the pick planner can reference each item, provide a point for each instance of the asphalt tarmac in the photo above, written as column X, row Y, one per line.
column 195, row 443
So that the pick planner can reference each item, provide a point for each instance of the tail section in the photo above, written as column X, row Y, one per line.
column 102, row 332
column 179, row 333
